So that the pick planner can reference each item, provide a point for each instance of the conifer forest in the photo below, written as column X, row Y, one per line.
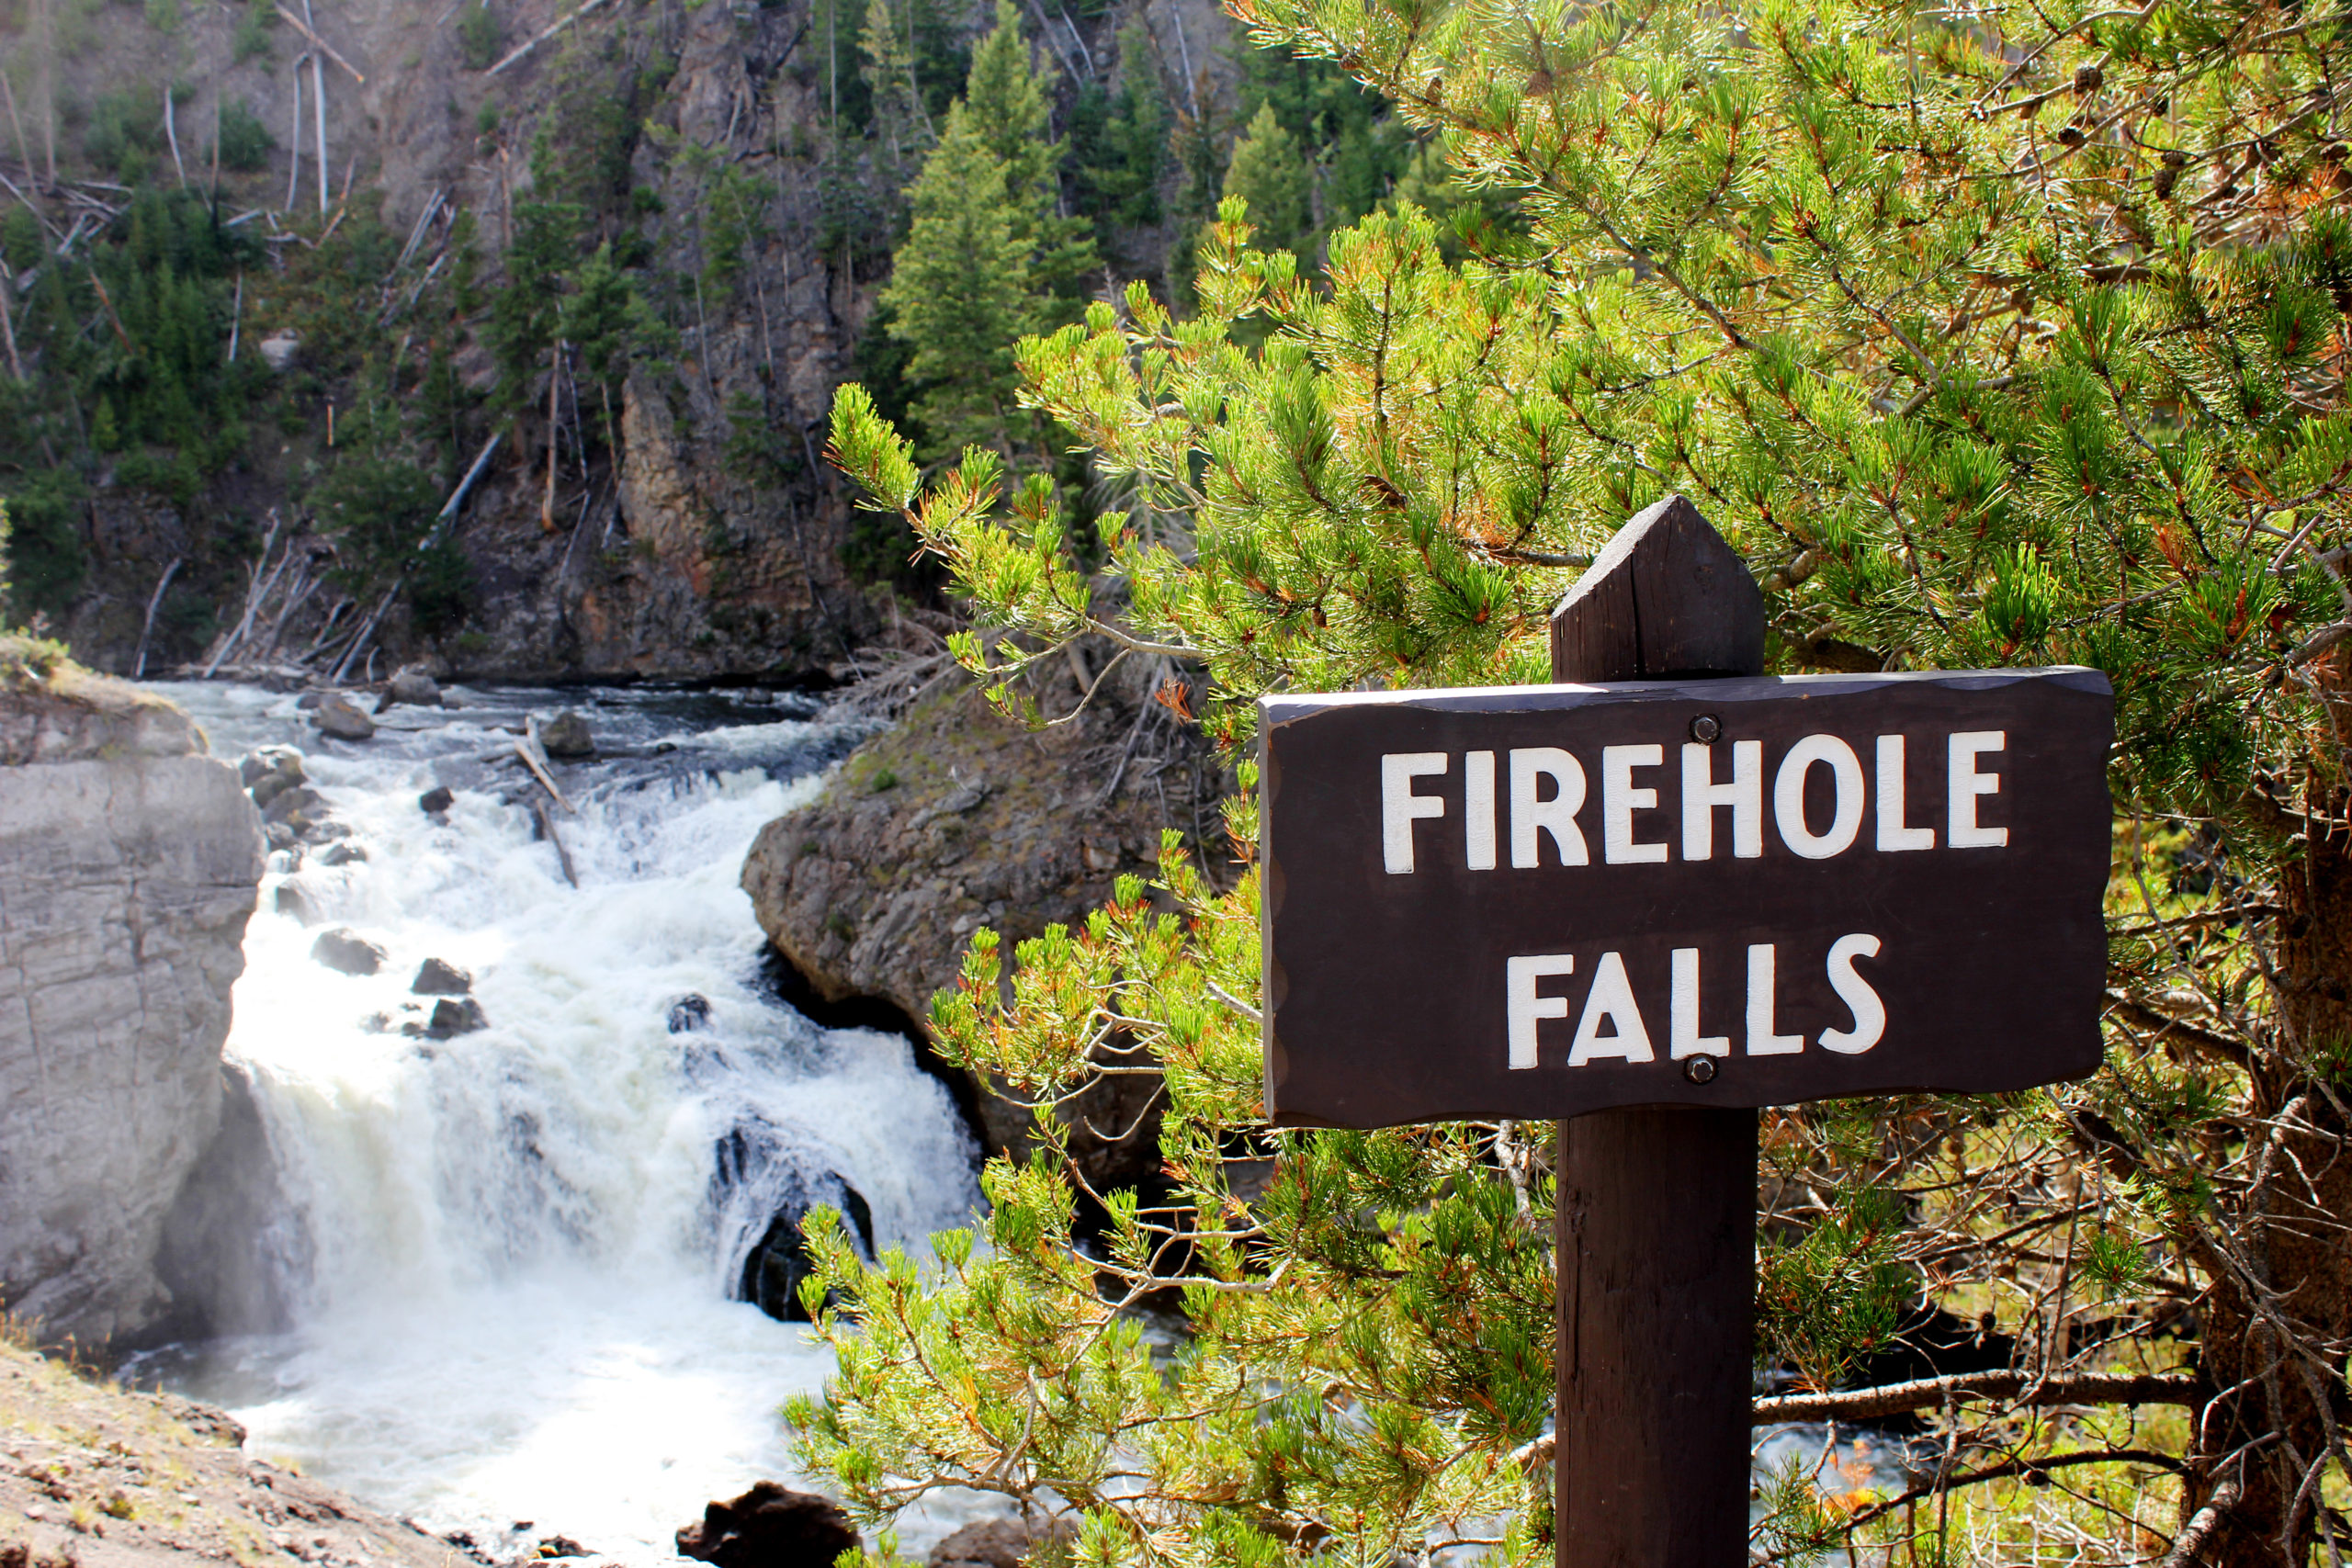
column 1121, row 363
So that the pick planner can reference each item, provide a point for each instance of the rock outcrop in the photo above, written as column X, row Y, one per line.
column 769, row 1526
column 956, row 818
column 128, row 865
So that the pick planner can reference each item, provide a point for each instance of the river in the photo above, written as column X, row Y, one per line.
column 508, row 1256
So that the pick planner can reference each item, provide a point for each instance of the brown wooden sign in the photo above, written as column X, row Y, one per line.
column 1540, row 901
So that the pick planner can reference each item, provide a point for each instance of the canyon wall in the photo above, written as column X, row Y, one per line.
column 128, row 865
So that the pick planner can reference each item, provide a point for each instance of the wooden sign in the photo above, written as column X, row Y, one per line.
column 1540, row 901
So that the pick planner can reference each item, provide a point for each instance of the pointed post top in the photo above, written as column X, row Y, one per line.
column 1667, row 599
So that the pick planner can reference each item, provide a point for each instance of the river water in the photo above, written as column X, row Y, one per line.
column 509, row 1255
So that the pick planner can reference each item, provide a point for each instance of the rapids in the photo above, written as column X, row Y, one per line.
column 507, row 1256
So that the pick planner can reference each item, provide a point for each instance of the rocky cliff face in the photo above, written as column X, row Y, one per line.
column 691, row 528
column 128, row 864
column 957, row 818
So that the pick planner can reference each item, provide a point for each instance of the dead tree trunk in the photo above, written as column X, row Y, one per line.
column 2278, row 1321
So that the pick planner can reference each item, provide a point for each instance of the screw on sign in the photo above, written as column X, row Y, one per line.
column 1646, row 904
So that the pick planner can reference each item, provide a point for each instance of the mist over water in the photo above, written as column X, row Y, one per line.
column 508, row 1255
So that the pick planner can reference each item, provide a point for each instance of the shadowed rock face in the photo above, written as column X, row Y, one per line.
column 128, row 865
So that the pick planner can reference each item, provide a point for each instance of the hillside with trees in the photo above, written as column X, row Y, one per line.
column 530, row 374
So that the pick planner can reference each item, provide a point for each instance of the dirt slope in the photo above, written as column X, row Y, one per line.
column 94, row 1477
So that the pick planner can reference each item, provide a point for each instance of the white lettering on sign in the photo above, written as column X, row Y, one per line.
column 1524, row 1007
column 1400, row 807
column 1869, row 1012
column 1534, row 813
column 1612, row 1004
column 1762, row 962
column 1531, row 817
column 1787, row 796
column 1892, row 833
column 1744, row 794
column 1967, row 784
column 1620, row 800
column 1684, row 1039
column 1479, row 811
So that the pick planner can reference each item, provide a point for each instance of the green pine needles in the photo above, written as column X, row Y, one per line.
column 2010, row 336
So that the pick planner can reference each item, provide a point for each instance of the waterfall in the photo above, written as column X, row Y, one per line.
column 511, row 1255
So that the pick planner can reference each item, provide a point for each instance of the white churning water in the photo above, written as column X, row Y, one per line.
column 509, row 1254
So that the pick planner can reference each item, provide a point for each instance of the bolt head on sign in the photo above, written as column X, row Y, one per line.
column 1540, row 902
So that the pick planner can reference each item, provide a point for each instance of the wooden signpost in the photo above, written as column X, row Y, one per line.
column 1646, row 904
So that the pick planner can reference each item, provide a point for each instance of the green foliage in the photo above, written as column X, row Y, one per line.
column 479, row 38
column 1269, row 174
column 987, row 250
column 252, row 39
column 45, row 560
column 1119, row 142
column 1984, row 344
column 245, row 143
column 960, row 293
column 124, row 132
column 377, row 510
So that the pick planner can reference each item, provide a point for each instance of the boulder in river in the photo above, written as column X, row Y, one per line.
column 770, row 1526
column 340, row 716
column 436, row 978
column 269, row 771
column 454, row 1016
column 411, row 686
column 343, row 854
column 996, row 1544
column 689, row 1013
column 347, row 951
column 437, row 800
column 568, row 735
column 874, row 894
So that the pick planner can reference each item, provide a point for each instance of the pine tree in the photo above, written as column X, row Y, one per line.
column 901, row 127
column 988, row 252
column 2001, row 337
column 1120, row 141
column 1009, row 104
column 961, row 292
column 1269, row 173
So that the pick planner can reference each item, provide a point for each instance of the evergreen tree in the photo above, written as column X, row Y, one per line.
column 1119, row 142
column 961, row 291
column 1994, row 337
column 1008, row 102
column 901, row 125
column 1268, row 173
column 988, row 250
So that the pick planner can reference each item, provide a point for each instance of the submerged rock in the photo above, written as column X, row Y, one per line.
column 347, row 953
column 453, row 1017
column 770, row 1526
column 343, row 854
column 411, row 686
column 568, row 735
column 340, row 716
column 689, row 1013
column 435, row 978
